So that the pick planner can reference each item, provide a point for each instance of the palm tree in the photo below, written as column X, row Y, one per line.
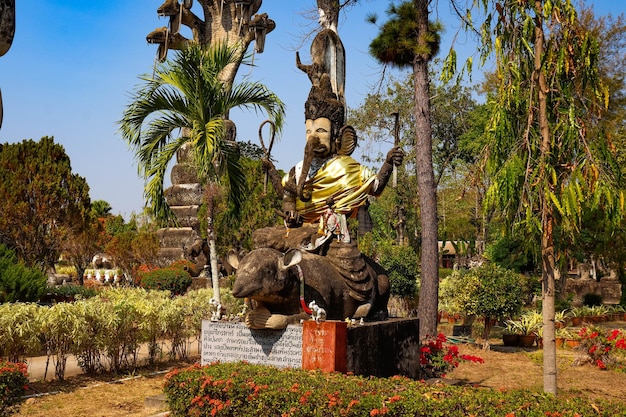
column 408, row 39
column 186, row 103
column 101, row 208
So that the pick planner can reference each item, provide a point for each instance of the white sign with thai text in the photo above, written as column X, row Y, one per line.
column 233, row 342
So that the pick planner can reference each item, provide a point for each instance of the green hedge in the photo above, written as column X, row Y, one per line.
column 245, row 390
column 13, row 385
column 68, row 292
column 175, row 280
column 17, row 281
column 104, row 332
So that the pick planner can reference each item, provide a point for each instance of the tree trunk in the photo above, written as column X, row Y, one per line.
column 487, row 329
column 429, row 289
column 80, row 271
column 547, row 220
column 215, row 279
column 548, row 301
column 211, row 192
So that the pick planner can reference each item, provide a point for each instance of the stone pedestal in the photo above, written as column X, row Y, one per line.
column 384, row 348
column 381, row 349
column 324, row 345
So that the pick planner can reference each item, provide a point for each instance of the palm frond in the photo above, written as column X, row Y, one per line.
column 186, row 100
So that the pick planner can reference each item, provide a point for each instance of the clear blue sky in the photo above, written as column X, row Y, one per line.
column 73, row 64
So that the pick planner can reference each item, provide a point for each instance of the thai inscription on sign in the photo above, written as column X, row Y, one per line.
column 233, row 342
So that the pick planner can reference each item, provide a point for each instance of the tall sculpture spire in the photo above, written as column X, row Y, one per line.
column 327, row 52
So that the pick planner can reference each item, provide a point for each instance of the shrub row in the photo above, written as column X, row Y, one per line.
column 13, row 384
column 240, row 389
column 105, row 332
column 174, row 279
column 17, row 281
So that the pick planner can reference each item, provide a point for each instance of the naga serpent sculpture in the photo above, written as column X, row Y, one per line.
column 7, row 31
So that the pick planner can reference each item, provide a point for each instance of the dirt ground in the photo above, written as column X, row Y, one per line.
column 99, row 396
column 504, row 368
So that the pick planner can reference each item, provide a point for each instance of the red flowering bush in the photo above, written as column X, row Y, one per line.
column 603, row 348
column 13, row 384
column 140, row 271
column 437, row 358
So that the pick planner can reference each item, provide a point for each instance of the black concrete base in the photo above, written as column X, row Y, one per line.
column 384, row 348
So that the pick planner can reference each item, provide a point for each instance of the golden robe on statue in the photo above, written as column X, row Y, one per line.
column 343, row 179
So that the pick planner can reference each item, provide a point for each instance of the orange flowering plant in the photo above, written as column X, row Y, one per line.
column 247, row 390
column 437, row 357
column 13, row 384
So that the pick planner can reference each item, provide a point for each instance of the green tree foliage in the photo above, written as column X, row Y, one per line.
column 547, row 157
column 402, row 265
column 42, row 202
column 488, row 291
column 186, row 102
column 257, row 211
column 101, row 208
column 133, row 247
column 458, row 124
column 17, row 281
column 115, row 225
column 80, row 249
column 401, row 39
column 513, row 253
column 610, row 33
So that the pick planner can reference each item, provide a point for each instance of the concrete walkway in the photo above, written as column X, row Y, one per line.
column 37, row 365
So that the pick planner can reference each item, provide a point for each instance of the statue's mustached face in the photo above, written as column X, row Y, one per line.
column 321, row 129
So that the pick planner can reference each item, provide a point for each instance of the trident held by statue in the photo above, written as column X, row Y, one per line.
column 267, row 151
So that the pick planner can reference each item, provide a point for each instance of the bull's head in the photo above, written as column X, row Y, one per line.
column 262, row 274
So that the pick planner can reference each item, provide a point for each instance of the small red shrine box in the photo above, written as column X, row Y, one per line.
column 324, row 345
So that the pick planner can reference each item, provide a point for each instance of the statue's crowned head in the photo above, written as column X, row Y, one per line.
column 322, row 102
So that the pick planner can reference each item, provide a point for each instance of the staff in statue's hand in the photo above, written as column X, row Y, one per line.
column 396, row 143
column 267, row 151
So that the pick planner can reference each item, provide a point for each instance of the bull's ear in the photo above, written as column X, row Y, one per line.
column 232, row 259
column 291, row 258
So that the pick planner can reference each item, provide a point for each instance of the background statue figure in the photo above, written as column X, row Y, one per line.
column 329, row 14
column 7, row 32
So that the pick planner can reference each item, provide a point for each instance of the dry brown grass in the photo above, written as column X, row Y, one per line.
column 100, row 396
column 110, row 396
column 124, row 398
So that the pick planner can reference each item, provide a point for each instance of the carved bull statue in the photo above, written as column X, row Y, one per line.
column 281, row 286
column 198, row 253
column 102, row 261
